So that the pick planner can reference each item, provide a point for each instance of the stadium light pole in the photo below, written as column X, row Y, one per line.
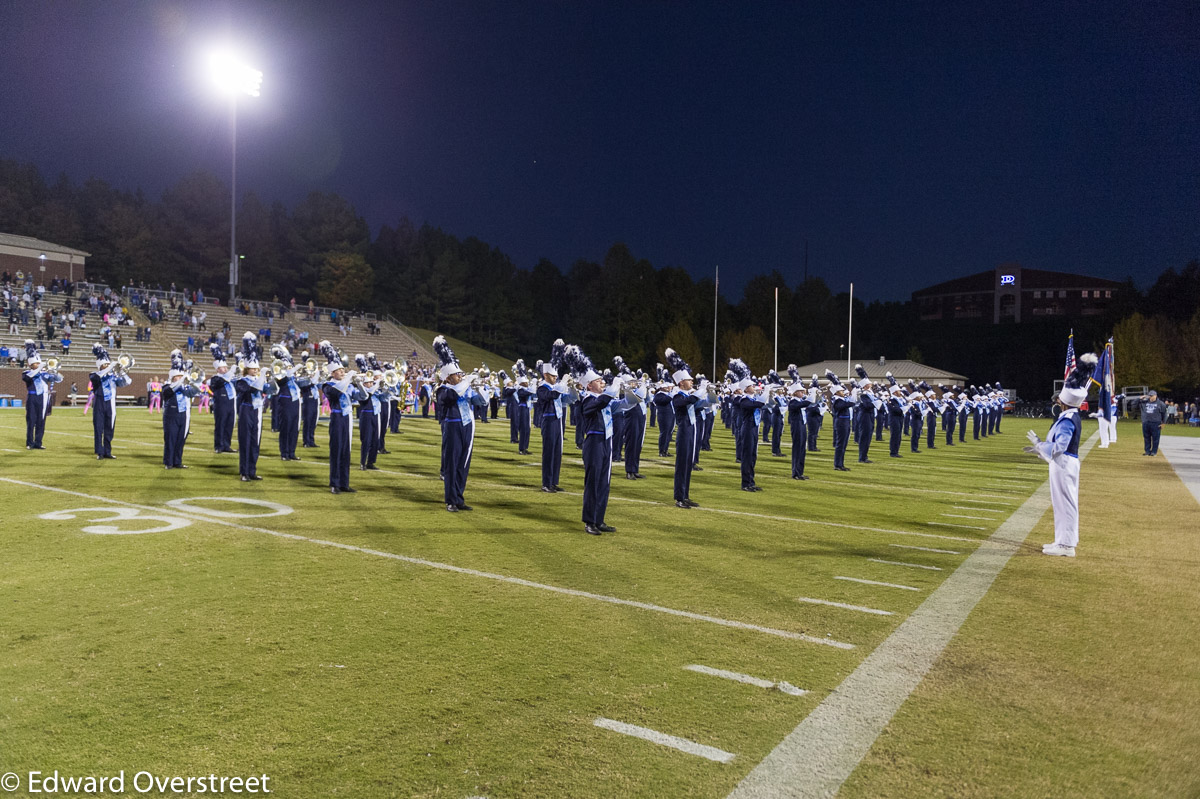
column 234, row 78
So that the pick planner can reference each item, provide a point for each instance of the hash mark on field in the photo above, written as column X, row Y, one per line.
column 988, row 501
column 977, row 510
column 786, row 688
column 844, row 606
column 961, row 526
column 902, row 563
column 961, row 516
column 687, row 614
column 661, row 738
column 926, row 549
column 876, row 582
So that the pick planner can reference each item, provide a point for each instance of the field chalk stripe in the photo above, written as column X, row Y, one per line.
column 977, row 510
column 876, row 582
column 827, row 746
column 458, row 569
column 844, row 606
column 926, row 549
column 1184, row 456
column 662, row 739
column 960, row 526
column 786, row 688
column 961, row 516
column 909, row 565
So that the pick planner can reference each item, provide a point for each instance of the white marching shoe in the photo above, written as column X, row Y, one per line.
column 1058, row 549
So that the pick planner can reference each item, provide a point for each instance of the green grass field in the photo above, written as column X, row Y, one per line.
column 294, row 645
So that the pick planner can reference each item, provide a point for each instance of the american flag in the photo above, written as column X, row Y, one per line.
column 1070, row 355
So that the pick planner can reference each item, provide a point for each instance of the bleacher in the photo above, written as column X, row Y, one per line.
column 393, row 342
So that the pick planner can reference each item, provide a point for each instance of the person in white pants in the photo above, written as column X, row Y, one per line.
column 1061, row 451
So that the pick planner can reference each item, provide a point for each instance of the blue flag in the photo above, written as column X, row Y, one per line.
column 1105, row 378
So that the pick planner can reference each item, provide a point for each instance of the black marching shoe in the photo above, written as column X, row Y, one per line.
column 868, row 460
column 606, row 528
column 692, row 504
column 748, row 488
column 245, row 479
column 638, row 476
column 681, row 504
column 110, row 457
column 452, row 508
column 465, row 506
column 591, row 529
column 559, row 488
column 334, row 490
column 696, row 469
column 548, row 490
column 349, row 490
column 385, row 452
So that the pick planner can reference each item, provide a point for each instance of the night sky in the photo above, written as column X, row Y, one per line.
column 908, row 143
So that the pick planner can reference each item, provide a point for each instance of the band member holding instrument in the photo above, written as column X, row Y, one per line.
column 595, row 417
column 552, row 400
column 224, row 402
column 252, row 394
column 455, row 399
column 684, row 403
column 105, row 381
column 799, row 401
column 177, row 395
column 39, row 382
column 309, row 403
column 287, row 404
column 342, row 392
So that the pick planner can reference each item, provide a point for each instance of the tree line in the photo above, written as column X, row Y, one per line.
column 323, row 250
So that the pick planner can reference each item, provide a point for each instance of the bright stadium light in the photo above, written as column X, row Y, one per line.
column 231, row 76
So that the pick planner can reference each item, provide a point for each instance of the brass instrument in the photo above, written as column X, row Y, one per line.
column 310, row 369
column 278, row 368
column 196, row 376
column 52, row 364
column 125, row 362
column 391, row 378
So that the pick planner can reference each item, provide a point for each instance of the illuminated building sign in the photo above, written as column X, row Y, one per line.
column 1006, row 280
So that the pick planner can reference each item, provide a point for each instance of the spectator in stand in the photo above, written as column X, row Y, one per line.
column 202, row 323
column 293, row 305
column 66, row 345
column 191, row 344
column 117, row 339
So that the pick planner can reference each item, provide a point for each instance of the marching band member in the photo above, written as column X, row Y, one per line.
column 949, row 414
column 1001, row 398
column 749, row 406
column 455, row 398
column 286, row 414
column 840, row 405
column 397, row 402
column 309, row 405
column 525, row 397
column 865, row 418
column 1061, row 451
column 778, row 402
column 976, row 411
column 552, row 398
column 595, row 418
column 341, row 393
column 508, row 391
column 897, row 413
column 916, row 416
column 964, row 410
column 177, row 396
column 369, row 423
column 816, row 416
column 666, row 413
column 224, row 402
column 931, row 416
column 386, row 395
column 618, row 439
column 684, row 403
column 105, row 381
column 635, row 420
column 799, row 401
column 251, row 390
column 39, row 382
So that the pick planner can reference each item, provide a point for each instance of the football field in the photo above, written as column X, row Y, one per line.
column 183, row 623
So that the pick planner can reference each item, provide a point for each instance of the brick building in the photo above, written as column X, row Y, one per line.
column 1011, row 294
column 40, row 261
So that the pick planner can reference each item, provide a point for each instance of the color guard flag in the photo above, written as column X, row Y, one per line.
column 1070, row 356
column 1106, row 380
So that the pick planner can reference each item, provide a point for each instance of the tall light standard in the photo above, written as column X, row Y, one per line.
column 234, row 78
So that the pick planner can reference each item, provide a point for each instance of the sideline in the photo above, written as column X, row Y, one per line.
column 827, row 746
column 1183, row 453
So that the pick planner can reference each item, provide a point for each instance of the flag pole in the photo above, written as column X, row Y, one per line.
column 776, row 364
column 850, row 330
column 716, row 292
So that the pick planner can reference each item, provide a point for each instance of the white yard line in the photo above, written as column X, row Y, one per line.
column 456, row 569
column 977, row 510
column 876, row 582
column 926, row 549
column 960, row 526
column 844, row 606
column 662, row 739
column 827, row 746
column 909, row 565
column 960, row 516
column 989, row 501
column 786, row 688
